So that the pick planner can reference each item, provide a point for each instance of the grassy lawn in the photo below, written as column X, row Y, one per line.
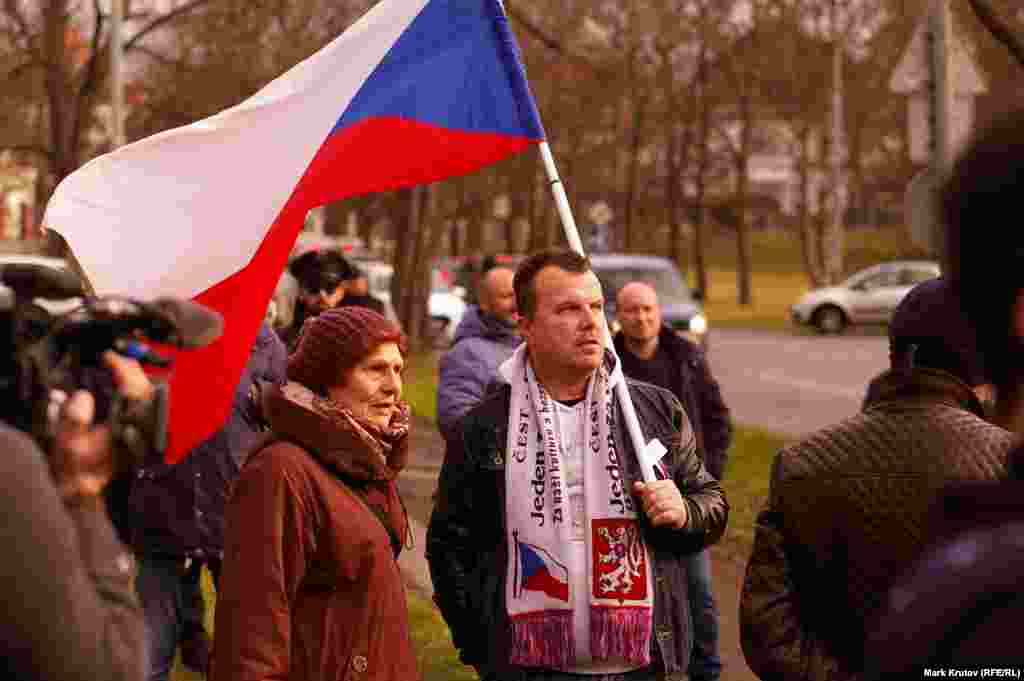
column 746, row 485
column 419, row 386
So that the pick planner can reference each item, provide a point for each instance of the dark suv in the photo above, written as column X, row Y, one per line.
column 680, row 306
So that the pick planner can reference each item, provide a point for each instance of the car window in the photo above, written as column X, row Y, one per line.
column 666, row 281
column 883, row 279
column 916, row 275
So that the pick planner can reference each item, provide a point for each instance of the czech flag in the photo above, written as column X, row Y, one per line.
column 414, row 92
column 540, row 572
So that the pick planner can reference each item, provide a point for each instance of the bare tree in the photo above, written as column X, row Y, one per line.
column 999, row 28
column 67, row 49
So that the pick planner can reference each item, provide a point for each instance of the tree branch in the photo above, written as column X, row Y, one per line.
column 998, row 28
column 11, row 10
column 549, row 41
column 22, row 68
column 156, row 56
column 89, row 82
column 163, row 19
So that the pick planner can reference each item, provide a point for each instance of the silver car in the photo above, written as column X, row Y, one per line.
column 868, row 297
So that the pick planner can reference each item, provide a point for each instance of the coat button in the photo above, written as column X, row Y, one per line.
column 359, row 663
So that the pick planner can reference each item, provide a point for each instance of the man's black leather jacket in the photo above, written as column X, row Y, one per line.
column 466, row 546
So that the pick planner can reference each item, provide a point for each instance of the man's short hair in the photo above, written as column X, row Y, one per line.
column 986, row 256
column 526, row 274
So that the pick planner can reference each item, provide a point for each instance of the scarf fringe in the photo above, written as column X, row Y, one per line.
column 543, row 639
column 621, row 634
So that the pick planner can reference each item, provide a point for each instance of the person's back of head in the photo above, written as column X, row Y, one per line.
column 929, row 329
column 986, row 258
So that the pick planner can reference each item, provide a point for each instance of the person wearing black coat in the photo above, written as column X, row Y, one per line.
column 175, row 517
column 652, row 352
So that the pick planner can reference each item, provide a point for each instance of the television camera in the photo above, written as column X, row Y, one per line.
column 51, row 356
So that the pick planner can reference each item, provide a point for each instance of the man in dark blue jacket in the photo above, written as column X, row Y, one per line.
column 653, row 353
column 176, row 518
column 485, row 338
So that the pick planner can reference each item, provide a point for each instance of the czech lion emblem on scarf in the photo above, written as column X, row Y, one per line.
column 620, row 570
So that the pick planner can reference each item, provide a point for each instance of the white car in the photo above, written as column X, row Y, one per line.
column 54, row 307
column 868, row 297
column 446, row 306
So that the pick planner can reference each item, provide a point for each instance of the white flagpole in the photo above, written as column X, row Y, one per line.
column 117, row 73
column 648, row 453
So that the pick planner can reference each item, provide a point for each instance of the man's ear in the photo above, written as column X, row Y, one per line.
column 522, row 324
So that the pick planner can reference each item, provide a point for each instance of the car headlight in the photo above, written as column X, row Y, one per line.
column 698, row 324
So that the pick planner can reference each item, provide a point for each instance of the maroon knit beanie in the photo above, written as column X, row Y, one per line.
column 335, row 341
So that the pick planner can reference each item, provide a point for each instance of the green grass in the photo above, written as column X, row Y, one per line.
column 746, row 485
column 419, row 386
column 437, row 659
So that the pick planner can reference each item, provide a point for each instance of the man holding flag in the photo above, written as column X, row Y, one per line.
column 550, row 558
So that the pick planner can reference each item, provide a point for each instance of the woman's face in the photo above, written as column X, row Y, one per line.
column 371, row 389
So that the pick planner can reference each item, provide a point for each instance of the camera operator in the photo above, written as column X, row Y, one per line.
column 70, row 611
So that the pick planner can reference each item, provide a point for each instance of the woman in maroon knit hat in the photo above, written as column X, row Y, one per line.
column 311, row 587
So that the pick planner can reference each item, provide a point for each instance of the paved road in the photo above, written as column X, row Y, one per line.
column 794, row 384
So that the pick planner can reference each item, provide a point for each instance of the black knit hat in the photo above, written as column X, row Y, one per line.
column 322, row 270
column 929, row 329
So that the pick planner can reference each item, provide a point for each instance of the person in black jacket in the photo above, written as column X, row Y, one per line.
column 551, row 554
column 323, row 278
column 69, row 611
column 175, row 519
column 357, row 292
column 655, row 354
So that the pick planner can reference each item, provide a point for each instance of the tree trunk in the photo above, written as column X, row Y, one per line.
column 540, row 222
column 633, row 171
column 405, row 219
column 335, row 218
column 835, row 228
column 703, row 158
column 743, row 253
column 423, row 266
column 805, row 226
column 674, row 208
column 61, row 96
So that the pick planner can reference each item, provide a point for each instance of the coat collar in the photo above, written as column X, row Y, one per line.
column 350, row 448
column 922, row 385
